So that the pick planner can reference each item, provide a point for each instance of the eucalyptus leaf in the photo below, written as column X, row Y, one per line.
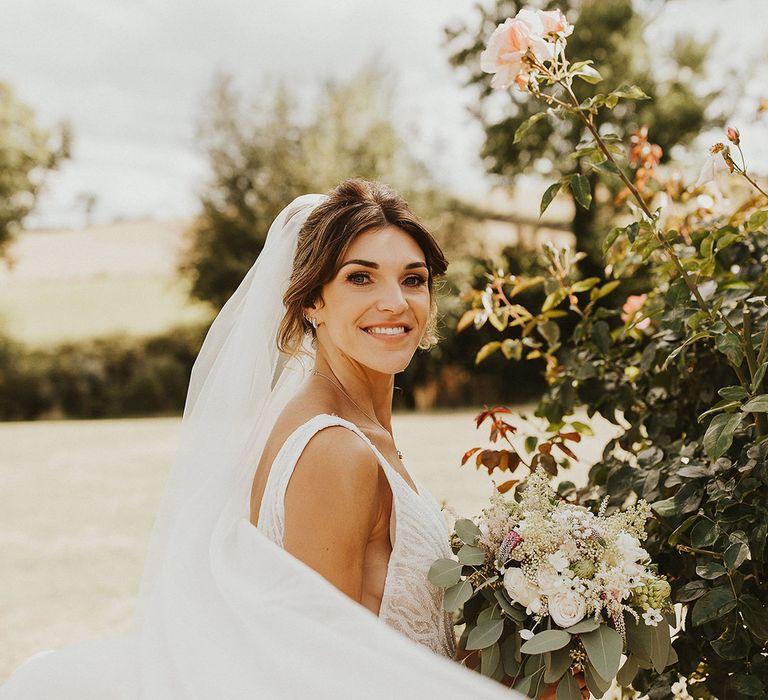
column 457, row 595
column 471, row 556
column 467, row 531
column 596, row 684
column 490, row 659
column 509, row 655
column 568, row 688
column 588, row 625
column 627, row 672
column 484, row 635
column 660, row 645
column 548, row 640
column 444, row 573
column 603, row 647
column 557, row 663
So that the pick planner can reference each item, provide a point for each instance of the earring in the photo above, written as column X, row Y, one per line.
column 311, row 321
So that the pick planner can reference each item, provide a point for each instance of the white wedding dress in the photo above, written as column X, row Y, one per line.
column 418, row 533
column 224, row 612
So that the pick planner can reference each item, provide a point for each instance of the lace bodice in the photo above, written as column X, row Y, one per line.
column 410, row 603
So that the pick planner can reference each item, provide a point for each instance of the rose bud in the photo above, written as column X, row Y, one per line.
column 733, row 135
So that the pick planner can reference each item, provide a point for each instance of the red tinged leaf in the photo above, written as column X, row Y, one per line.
column 503, row 488
column 468, row 454
column 576, row 437
column 548, row 462
column 566, row 450
column 545, row 448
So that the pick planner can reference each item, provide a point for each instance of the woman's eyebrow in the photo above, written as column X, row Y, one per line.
column 375, row 266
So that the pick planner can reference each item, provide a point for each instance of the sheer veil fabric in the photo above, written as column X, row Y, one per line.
column 224, row 613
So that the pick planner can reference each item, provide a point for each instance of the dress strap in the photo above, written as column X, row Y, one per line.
column 272, row 510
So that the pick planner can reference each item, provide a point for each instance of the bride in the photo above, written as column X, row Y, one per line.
column 290, row 554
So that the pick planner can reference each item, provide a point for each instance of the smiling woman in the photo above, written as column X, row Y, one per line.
column 290, row 529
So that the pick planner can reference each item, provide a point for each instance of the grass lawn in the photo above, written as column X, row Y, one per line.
column 79, row 498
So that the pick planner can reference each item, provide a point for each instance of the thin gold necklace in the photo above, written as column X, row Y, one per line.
column 357, row 405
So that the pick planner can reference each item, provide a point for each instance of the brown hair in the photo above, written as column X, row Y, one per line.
column 352, row 207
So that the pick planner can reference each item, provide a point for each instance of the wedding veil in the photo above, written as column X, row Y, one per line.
column 224, row 613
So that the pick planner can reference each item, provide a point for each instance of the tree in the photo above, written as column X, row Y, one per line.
column 611, row 35
column 27, row 153
column 264, row 155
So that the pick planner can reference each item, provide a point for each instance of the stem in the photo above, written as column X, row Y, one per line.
column 696, row 550
column 763, row 347
column 743, row 173
column 761, row 420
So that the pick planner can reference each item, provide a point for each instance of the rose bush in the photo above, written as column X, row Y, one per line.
column 680, row 368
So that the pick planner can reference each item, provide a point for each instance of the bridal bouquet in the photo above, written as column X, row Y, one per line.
column 547, row 589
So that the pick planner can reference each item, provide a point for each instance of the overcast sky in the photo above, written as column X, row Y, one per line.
column 130, row 76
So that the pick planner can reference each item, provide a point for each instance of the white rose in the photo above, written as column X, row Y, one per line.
column 630, row 548
column 566, row 608
column 558, row 560
column 521, row 590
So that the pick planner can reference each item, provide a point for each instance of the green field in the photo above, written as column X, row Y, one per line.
column 78, row 502
column 41, row 312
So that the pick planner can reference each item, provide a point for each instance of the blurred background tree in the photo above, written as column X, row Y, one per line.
column 263, row 155
column 27, row 153
column 611, row 33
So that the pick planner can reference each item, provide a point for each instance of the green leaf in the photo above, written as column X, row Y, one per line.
column 568, row 688
column 691, row 591
column 485, row 634
column 716, row 603
column 581, row 190
column 611, row 237
column 523, row 129
column 603, row 647
column 710, row 571
column 605, row 290
column 704, row 534
column 719, row 435
column 588, row 625
column 601, row 336
column 607, row 167
column 486, row 351
column 466, row 530
column 596, row 684
column 627, row 672
column 457, row 595
column 733, row 393
column 730, row 345
column 509, row 655
column 630, row 92
column 471, row 556
column 759, row 404
column 757, row 220
column 674, row 538
column 755, row 615
column 549, row 195
column 490, row 658
column 516, row 613
column 660, row 645
column 735, row 555
column 530, row 443
column 732, row 644
column 553, row 299
column 444, row 573
column 548, row 640
column 556, row 664
column 757, row 380
column 747, row 685
column 589, row 75
column 582, row 428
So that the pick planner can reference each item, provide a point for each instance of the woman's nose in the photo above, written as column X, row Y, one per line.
column 392, row 299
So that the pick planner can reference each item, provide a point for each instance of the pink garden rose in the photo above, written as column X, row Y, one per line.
column 632, row 306
column 511, row 46
column 554, row 22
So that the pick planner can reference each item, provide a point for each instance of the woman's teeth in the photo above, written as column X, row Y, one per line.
column 386, row 331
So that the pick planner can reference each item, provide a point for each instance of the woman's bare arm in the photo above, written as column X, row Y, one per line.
column 331, row 506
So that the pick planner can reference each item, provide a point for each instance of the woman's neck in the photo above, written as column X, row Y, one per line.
column 371, row 391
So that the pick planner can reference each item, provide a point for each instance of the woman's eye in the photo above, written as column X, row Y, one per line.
column 358, row 277
column 415, row 281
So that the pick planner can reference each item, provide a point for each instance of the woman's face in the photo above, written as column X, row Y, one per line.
column 376, row 309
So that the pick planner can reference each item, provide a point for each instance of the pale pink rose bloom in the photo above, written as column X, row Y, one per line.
column 507, row 47
column 714, row 166
column 554, row 22
column 632, row 306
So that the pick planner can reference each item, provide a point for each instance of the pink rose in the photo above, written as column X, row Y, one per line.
column 632, row 306
column 510, row 47
column 555, row 22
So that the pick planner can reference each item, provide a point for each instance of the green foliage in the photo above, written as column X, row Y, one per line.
column 526, row 139
column 681, row 371
column 27, row 153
